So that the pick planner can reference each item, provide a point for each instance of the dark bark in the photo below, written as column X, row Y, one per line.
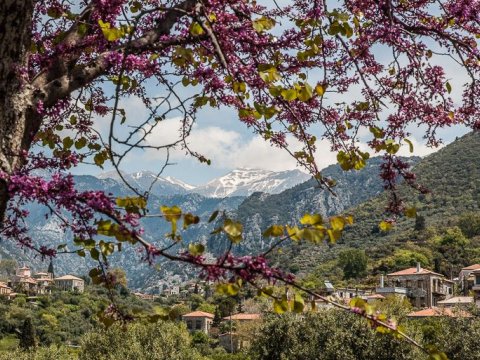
column 18, row 120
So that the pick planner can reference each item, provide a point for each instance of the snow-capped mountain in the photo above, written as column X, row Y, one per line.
column 143, row 180
column 244, row 182
column 240, row 182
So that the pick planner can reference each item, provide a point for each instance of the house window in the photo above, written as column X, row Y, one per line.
column 477, row 280
column 189, row 324
column 198, row 324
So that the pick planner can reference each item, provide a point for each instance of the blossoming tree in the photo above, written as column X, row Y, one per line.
column 285, row 66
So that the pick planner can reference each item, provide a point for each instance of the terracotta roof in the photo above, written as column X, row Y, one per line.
column 458, row 300
column 472, row 267
column 413, row 271
column 2, row 284
column 199, row 314
column 242, row 316
column 439, row 312
column 68, row 277
column 28, row 280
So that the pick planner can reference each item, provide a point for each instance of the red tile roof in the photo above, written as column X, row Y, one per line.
column 242, row 316
column 68, row 277
column 199, row 314
column 472, row 267
column 413, row 271
column 439, row 312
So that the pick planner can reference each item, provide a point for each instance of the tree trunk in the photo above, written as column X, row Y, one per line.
column 19, row 120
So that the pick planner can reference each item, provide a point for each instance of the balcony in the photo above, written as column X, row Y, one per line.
column 440, row 290
column 391, row 290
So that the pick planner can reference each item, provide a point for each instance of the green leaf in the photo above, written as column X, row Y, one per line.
column 213, row 216
column 411, row 212
column 196, row 29
column 337, row 223
column 54, row 13
column 94, row 253
column 80, row 143
column 280, row 305
column 315, row 235
column 289, row 94
column 308, row 219
column 320, row 89
column 410, row 145
column 385, row 226
column 298, row 304
column 334, row 235
column 67, row 142
column 305, row 93
column 107, row 248
column 274, row 231
column 263, row 23
column 233, row 230
column 196, row 249
column 189, row 219
column 171, row 213
column 294, row 233
column 449, row 87
column 111, row 34
column 229, row 289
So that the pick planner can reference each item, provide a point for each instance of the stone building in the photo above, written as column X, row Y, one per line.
column 199, row 321
column 70, row 283
column 423, row 287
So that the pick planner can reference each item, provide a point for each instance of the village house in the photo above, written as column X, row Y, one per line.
column 199, row 321
column 242, row 317
column 235, row 340
column 476, row 287
column 438, row 312
column 424, row 288
column 466, row 278
column 70, row 283
column 5, row 290
column 44, row 282
column 172, row 291
column 457, row 301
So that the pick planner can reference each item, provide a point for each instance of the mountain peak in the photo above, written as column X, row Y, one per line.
column 244, row 182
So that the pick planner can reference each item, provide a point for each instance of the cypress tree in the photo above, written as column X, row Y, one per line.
column 217, row 317
column 27, row 335
column 50, row 269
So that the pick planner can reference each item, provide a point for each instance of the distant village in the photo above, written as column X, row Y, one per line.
column 431, row 295
column 32, row 284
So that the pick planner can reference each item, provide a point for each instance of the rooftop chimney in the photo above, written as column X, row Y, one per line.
column 419, row 267
column 382, row 281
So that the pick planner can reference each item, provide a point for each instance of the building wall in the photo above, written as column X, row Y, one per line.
column 198, row 324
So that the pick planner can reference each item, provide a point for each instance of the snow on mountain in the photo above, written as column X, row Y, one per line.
column 240, row 182
column 143, row 180
column 175, row 181
column 244, row 182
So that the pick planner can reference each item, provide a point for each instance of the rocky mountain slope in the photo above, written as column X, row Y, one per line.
column 244, row 182
column 452, row 176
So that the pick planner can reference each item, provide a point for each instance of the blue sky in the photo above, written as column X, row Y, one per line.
column 221, row 137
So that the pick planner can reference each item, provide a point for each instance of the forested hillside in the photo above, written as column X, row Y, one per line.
column 452, row 176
